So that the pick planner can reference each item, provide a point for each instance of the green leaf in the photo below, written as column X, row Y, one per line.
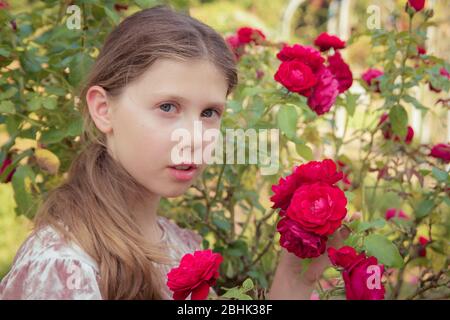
column 399, row 120
column 7, row 107
column 31, row 62
column 11, row 91
column 34, row 104
column 247, row 285
column 440, row 175
column 424, row 208
column 375, row 224
column 384, row 250
column 221, row 224
column 49, row 103
column 255, row 110
column 143, row 4
column 112, row 15
column 287, row 120
column 79, row 67
column 304, row 151
column 52, row 136
column 21, row 181
column 350, row 104
column 414, row 102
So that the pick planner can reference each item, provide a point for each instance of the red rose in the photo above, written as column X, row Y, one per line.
column 417, row 4
column 344, row 257
column 397, row 213
column 196, row 274
column 341, row 71
column 319, row 171
column 283, row 192
column 248, row 35
column 313, row 171
column 318, row 208
column 409, row 134
column 387, row 130
column 296, row 77
column 5, row 165
column 307, row 55
column 326, row 41
column 235, row 46
column 324, row 93
column 298, row 241
column 423, row 246
column 4, row 5
column 441, row 151
column 371, row 76
column 421, row 50
column 363, row 280
column 361, row 274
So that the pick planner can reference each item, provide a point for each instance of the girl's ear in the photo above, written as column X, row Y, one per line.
column 99, row 108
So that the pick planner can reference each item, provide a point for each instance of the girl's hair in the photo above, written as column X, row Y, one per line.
column 93, row 207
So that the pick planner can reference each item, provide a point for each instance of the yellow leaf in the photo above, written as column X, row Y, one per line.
column 47, row 160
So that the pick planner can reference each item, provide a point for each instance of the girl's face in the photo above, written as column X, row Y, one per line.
column 139, row 123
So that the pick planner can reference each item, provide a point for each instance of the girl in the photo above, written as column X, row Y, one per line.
column 98, row 235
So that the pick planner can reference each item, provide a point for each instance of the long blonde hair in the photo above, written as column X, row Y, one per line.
column 93, row 206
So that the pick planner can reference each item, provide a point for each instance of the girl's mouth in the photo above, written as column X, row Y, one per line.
column 183, row 172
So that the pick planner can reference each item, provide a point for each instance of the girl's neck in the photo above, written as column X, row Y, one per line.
column 147, row 218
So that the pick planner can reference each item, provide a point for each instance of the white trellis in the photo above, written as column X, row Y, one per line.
column 339, row 24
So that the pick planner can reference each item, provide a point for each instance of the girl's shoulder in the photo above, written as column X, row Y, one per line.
column 47, row 266
column 175, row 234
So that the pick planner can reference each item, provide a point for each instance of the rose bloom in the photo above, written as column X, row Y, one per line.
column 441, row 151
column 423, row 241
column 397, row 213
column 247, row 35
column 235, row 46
column 305, row 54
column 421, row 50
column 326, row 41
column 408, row 138
column 370, row 78
column 296, row 77
column 4, row 5
column 345, row 257
column 313, row 171
column 298, row 241
column 387, row 130
column 318, row 208
column 418, row 5
column 195, row 275
column 324, row 93
column 356, row 280
column 341, row 71
column 356, row 273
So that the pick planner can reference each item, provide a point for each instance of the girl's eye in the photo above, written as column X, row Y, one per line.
column 208, row 113
column 166, row 107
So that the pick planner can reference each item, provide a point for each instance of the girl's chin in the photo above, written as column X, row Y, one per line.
column 174, row 191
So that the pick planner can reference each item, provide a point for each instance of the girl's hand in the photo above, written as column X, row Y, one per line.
column 319, row 264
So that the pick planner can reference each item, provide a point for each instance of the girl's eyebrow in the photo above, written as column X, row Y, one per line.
column 220, row 104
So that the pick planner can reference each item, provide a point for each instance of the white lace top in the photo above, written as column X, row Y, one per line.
column 47, row 267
